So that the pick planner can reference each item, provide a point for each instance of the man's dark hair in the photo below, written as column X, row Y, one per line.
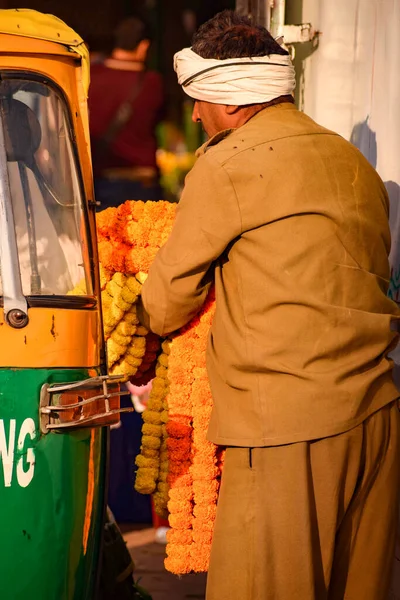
column 230, row 35
column 130, row 33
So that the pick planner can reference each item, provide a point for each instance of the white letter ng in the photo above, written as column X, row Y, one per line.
column 25, row 477
column 7, row 453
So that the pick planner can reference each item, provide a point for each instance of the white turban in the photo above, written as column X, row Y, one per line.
column 236, row 81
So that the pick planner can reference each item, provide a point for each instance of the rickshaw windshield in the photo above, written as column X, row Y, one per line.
column 44, row 188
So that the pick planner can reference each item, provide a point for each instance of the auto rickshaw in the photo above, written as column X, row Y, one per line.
column 56, row 399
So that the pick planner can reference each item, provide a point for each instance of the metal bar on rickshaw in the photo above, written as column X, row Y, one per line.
column 66, row 407
column 87, row 420
column 13, row 297
column 91, row 382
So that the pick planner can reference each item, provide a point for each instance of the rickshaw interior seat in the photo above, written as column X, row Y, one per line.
column 22, row 132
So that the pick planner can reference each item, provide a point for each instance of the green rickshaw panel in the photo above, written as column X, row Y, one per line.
column 51, row 495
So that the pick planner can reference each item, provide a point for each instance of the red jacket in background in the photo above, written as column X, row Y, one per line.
column 135, row 144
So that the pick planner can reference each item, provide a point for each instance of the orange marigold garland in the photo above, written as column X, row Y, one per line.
column 179, row 446
column 130, row 236
column 204, row 468
column 195, row 491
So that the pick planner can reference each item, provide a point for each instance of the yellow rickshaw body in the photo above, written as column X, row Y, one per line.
column 42, row 44
column 54, row 399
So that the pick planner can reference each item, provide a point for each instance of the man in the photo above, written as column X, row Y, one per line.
column 291, row 223
column 125, row 104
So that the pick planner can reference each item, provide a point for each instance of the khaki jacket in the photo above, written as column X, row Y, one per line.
column 291, row 222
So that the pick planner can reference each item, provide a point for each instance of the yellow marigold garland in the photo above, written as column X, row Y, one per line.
column 160, row 496
column 125, row 338
column 148, row 460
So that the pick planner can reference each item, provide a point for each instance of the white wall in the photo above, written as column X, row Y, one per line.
column 351, row 84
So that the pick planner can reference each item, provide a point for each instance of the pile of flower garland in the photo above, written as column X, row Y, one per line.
column 176, row 464
column 129, row 237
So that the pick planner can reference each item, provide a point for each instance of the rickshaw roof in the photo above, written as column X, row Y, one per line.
column 29, row 23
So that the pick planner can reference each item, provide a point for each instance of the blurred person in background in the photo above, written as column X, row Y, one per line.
column 125, row 103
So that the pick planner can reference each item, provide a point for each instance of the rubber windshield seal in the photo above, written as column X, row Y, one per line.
column 54, row 301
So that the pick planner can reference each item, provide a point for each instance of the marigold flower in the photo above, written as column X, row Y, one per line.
column 152, row 416
column 179, row 536
column 200, row 555
column 177, row 561
column 161, row 372
column 200, row 535
column 131, row 316
column 134, row 353
column 178, row 430
column 144, row 462
column 160, row 504
column 150, row 429
column 178, row 468
column 166, row 347
column 181, row 520
column 128, row 324
column 176, row 506
column 131, row 360
column 181, row 493
column 122, row 368
column 121, row 340
column 164, row 360
column 163, row 487
column 145, row 480
column 149, row 453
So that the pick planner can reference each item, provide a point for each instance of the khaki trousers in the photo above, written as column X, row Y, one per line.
column 311, row 520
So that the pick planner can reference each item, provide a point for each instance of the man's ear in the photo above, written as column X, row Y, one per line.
column 231, row 109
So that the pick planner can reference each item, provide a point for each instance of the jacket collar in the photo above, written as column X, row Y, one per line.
column 218, row 137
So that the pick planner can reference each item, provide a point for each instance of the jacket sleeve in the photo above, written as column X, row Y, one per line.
column 207, row 220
